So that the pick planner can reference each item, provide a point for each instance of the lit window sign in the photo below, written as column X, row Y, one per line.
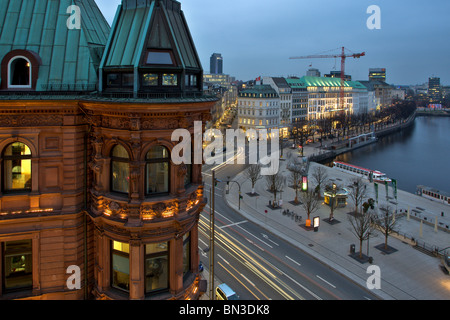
column 305, row 183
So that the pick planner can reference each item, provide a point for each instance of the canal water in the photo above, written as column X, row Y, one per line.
column 419, row 155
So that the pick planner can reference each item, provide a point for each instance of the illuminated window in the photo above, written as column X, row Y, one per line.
column 19, row 73
column 169, row 79
column 156, row 267
column 157, row 171
column 17, row 167
column 120, row 170
column 120, row 265
column 150, row 79
column 17, row 265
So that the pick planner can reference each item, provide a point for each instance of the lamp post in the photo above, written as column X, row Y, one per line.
column 212, row 236
column 240, row 194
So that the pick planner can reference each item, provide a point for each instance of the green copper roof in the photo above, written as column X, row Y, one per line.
column 356, row 85
column 70, row 58
column 259, row 91
column 309, row 81
column 149, row 24
column 323, row 82
column 297, row 83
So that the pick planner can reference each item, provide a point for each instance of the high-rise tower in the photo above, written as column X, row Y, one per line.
column 216, row 64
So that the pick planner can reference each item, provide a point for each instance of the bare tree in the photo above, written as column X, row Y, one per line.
column 386, row 223
column 253, row 172
column 358, row 192
column 295, row 182
column 309, row 203
column 320, row 177
column 299, row 132
column 362, row 227
column 276, row 184
column 297, row 170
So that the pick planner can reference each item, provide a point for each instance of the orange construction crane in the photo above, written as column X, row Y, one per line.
column 343, row 56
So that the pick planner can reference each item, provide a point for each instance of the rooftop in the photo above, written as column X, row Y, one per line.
column 259, row 91
column 309, row 81
column 68, row 57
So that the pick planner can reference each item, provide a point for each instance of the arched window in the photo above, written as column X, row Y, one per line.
column 120, row 170
column 157, row 170
column 19, row 72
column 17, row 167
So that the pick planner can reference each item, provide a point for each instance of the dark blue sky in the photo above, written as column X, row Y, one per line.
column 256, row 38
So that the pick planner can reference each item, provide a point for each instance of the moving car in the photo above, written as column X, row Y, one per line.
column 224, row 292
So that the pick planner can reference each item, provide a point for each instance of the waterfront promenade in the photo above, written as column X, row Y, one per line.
column 405, row 274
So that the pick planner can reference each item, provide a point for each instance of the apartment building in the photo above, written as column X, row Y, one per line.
column 259, row 108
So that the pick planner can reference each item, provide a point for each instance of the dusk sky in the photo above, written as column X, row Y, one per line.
column 256, row 38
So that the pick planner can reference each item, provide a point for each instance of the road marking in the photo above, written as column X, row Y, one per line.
column 265, row 236
column 233, row 224
column 326, row 281
column 293, row 261
column 223, row 259
column 202, row 241
column 246, row 231
column 304, row 288
column 248, row 280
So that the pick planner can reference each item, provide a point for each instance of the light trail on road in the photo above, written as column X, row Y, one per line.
column 247, row 258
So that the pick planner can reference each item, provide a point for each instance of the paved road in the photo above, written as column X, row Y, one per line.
column 259, row 265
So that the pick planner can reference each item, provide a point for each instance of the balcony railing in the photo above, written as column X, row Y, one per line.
column 89, row 92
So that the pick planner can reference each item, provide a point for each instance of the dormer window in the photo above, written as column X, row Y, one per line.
column 160, row 57
column 19, row 73
column 20, row 70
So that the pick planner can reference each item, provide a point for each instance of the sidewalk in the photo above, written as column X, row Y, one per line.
column 217, row 282
column 407, row 274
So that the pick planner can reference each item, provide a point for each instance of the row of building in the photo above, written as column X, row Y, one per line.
column 278, row 102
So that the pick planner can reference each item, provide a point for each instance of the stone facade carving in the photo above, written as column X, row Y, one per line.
column 34, row 120
column 159, row 210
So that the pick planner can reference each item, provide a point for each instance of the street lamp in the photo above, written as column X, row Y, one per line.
column 240, row 194
column 212, row 235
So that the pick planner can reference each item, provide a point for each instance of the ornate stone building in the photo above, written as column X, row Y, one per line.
column 87, row 180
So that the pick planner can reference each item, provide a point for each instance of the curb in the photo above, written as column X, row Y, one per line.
column 313, row 254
